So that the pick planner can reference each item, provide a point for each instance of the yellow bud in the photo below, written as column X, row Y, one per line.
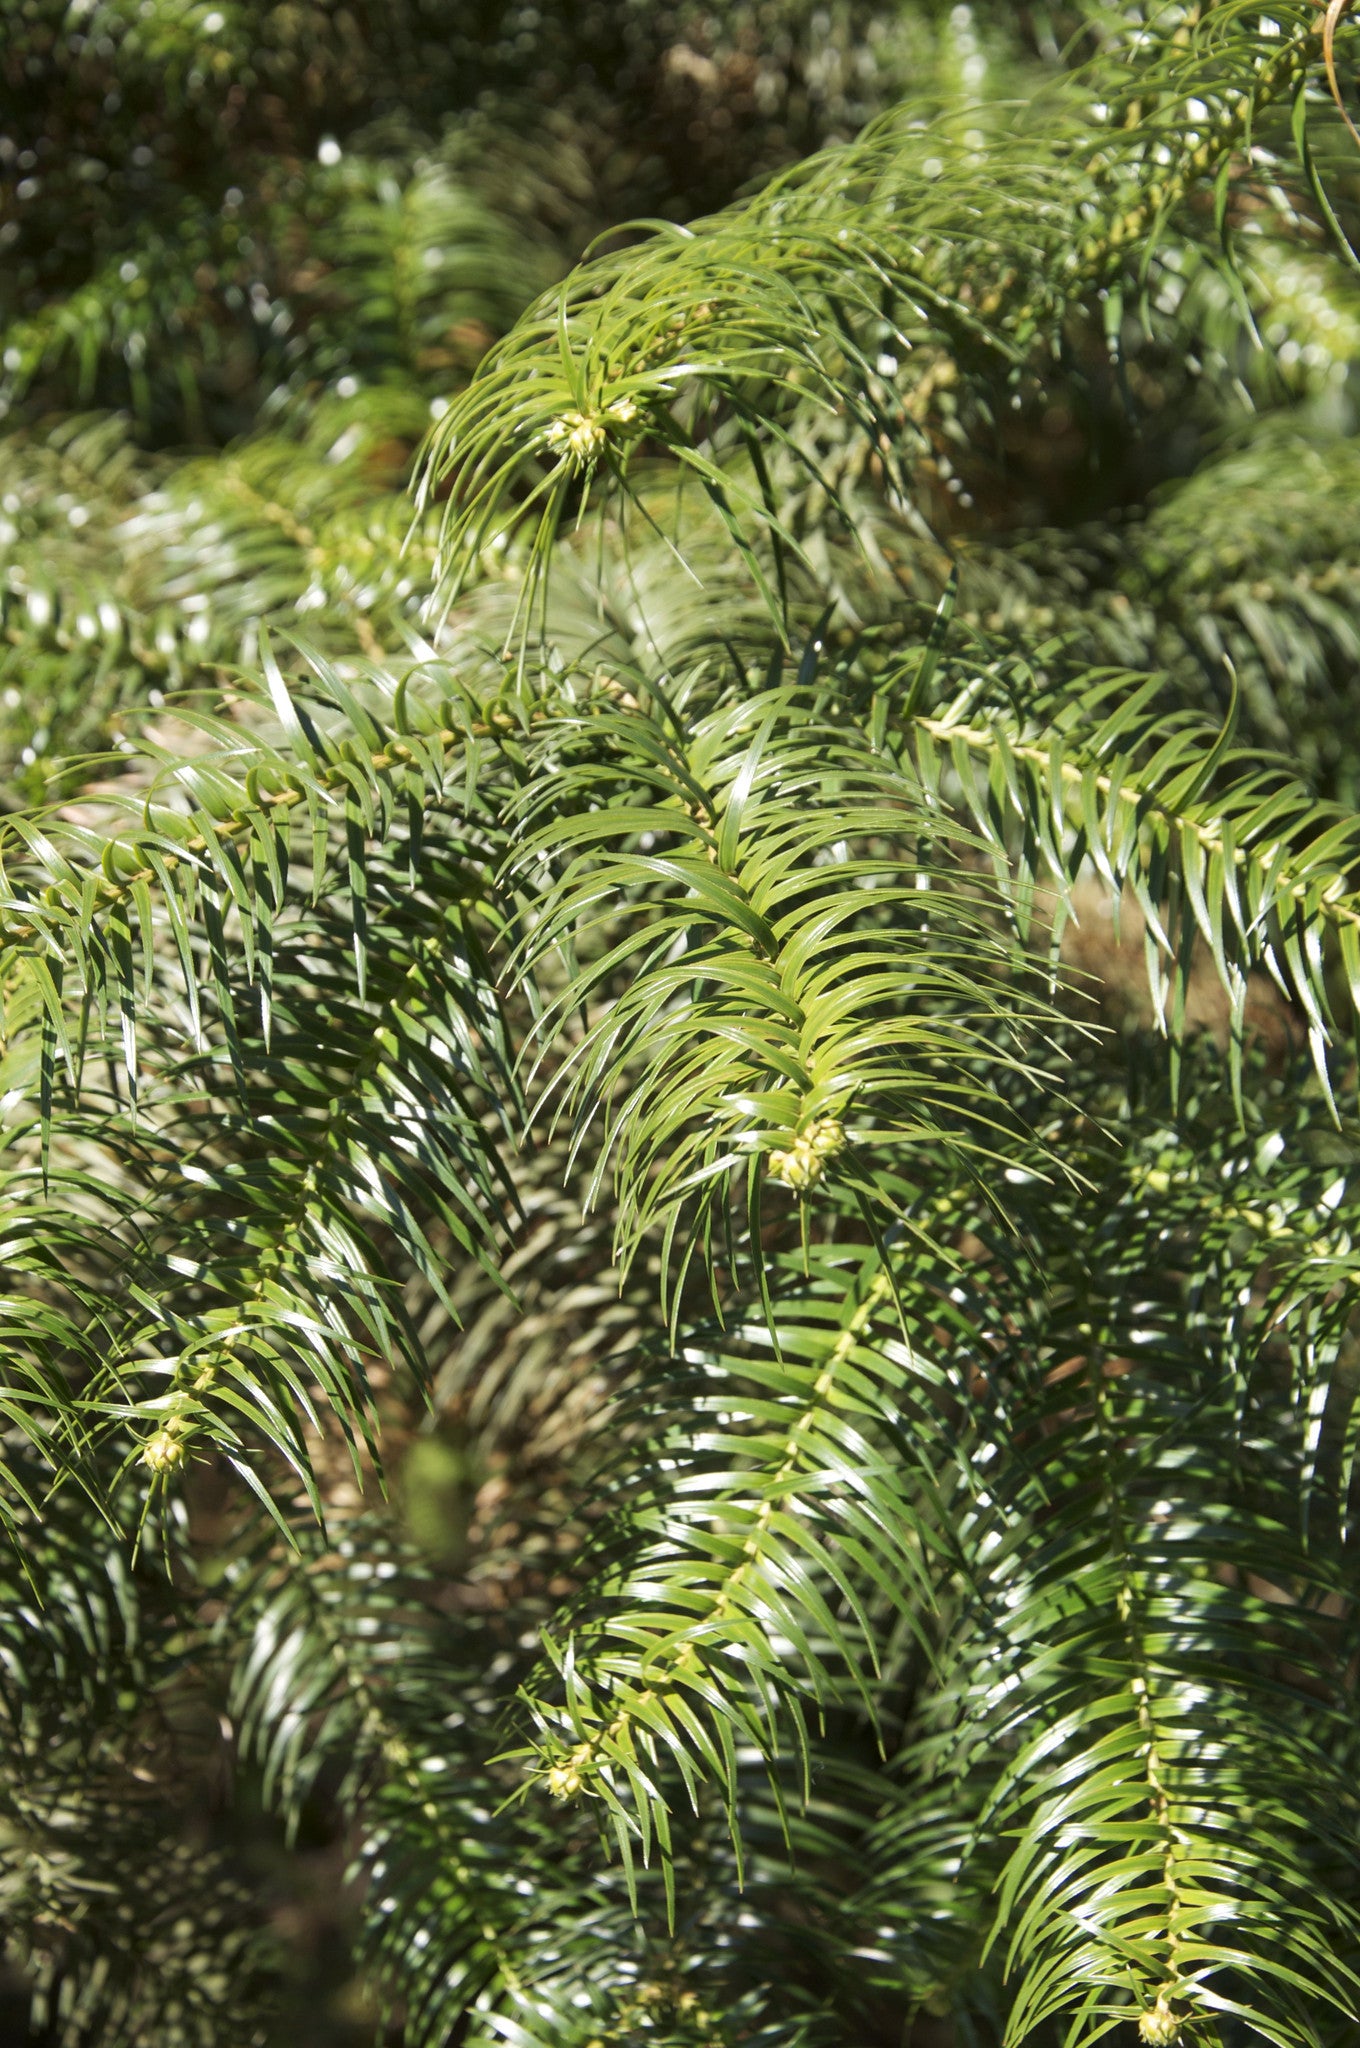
column 164, row 1451
column 1159, row 2026
column 564, row 1781
column 803, row 1165
column 581, row 436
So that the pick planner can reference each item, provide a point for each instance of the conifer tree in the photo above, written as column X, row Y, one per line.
column 680, row 954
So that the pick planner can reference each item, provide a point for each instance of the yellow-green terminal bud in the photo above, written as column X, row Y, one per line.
column 567, row 1778
column 578, row 435
column 803, row 1165
column 1159, row 2026
column 583, row 436
column 165, row 1451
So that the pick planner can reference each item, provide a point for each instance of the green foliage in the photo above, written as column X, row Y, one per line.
column 599, row 954
column 128, row 1923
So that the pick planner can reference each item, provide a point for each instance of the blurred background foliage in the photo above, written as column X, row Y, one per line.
column 248, row 254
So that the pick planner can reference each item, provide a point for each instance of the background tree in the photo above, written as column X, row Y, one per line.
column 681, row 1188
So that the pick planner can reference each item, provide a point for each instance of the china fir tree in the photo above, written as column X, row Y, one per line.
column 680, row 948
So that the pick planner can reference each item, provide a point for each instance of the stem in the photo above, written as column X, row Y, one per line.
column 678, row 1660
